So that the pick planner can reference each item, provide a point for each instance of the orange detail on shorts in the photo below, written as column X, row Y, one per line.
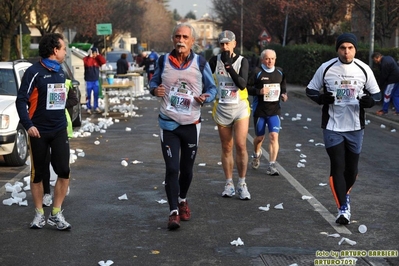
column 33, row 102
column 333, row 191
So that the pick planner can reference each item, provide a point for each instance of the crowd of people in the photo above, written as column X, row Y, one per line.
column 184, row 81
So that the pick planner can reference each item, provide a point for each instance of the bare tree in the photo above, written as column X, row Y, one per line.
column 81, row 15
column 386, row 17
column 156, row 26
column 304, row 18
column 12, row 14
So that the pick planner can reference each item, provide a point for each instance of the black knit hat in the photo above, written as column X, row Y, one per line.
column 346, row 37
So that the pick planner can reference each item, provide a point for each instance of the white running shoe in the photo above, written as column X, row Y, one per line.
column 256, row 160
column 39, row 221
column 58, row 220
column 243, row 192
column 272, row 170
column 47, row 200
column 344, row 215
column 229, row 190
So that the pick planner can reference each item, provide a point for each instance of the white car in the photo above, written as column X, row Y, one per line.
column 13, row 137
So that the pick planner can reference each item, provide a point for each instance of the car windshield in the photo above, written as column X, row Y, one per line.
column 113, row 57
column 8, row 84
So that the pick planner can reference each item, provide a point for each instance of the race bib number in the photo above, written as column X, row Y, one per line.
column 273, row 94
column 180, row 101
column 228, row 93
column 56, row 96
column 345, row 93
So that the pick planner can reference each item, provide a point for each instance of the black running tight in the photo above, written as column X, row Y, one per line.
column 179, row 148
column 343, row 170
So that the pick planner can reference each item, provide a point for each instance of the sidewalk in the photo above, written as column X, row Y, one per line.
column 388, row 119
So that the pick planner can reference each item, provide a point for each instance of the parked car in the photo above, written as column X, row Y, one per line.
column 13, row 136
column 113, row 56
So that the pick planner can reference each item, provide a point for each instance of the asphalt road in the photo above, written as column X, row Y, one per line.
column 133, row 231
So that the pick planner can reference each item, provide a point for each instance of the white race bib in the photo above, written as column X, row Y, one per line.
column 56, row 96
column 273, row 94
column 228, row 92
column 180, row 100
column 345, row 94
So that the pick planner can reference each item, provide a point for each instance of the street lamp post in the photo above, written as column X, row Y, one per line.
column 242, row 26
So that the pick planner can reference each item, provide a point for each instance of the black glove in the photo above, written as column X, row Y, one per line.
column 326, row 98
column 366, row 102
column 226, row 59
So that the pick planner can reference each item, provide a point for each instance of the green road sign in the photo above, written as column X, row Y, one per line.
column 104, row 29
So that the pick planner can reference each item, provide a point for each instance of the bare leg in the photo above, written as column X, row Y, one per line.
column 273, row 146
column 60, row 191
column 240, row 139
column 37, row 194
column 226, row 138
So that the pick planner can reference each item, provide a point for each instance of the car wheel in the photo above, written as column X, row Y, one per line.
column 20, row 152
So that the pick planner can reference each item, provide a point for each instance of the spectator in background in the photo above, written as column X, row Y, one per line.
column 143, row 63
column 122, row 65
column 154, row 55
column 92, row 64
column 151, row 63
column 388, row 81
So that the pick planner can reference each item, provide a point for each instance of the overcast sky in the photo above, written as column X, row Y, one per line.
column 199, row 7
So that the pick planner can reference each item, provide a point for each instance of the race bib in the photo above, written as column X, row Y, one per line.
column 273, row 94
column 345, row 93
column 228, row 93
column 56, row 96
column 180, row 100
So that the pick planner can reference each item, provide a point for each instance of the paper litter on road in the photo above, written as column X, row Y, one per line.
column 299, row 165
column 202, row 164
column 23, row 203
column 123, row 197
column 265, row 208
column 124, row 163
column 162, row 201
column 306, row 197
column 237, row 242
column 323, row 184
column 347, row 240
column 105, row 263
column 279, row 206
column 155, row 135
column 136, row 162
column 334, row 235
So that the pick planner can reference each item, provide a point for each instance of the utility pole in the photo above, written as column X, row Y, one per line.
column 242, row 26
column 372, row 29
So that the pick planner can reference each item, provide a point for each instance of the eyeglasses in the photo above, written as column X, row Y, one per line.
column 182, row 36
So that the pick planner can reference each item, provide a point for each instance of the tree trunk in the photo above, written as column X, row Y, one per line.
column 6, row 48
